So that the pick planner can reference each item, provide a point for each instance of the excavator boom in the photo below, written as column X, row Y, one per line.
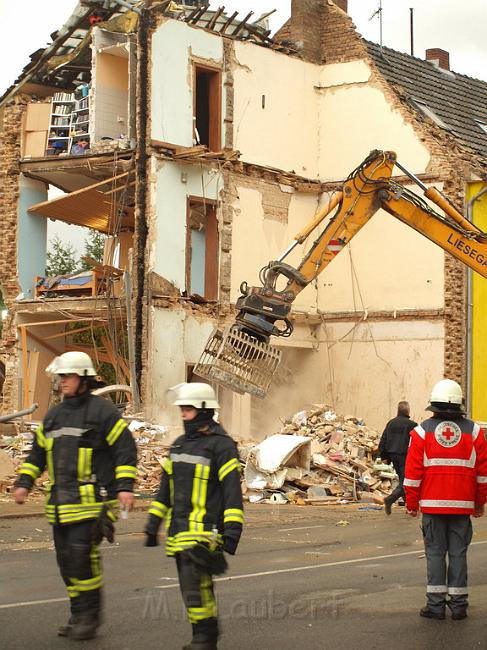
column 240, row 357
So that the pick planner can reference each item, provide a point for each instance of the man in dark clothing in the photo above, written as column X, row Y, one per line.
column 90, row 456
column 393, row 447
column 201, row 499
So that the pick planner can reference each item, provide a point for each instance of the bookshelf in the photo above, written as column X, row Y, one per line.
column 59, row 134
column 69, row 121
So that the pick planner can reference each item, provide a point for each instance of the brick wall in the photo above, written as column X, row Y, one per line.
column 324, row 30
column 10, row 142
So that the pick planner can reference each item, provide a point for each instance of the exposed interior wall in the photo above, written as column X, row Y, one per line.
column 370, row 366
column 174, row 48
column 276, row 119
column 111, row 100
column 387, row 266
column 175, row 183
column 36, row 127
column 356, row 117
column 32, row 235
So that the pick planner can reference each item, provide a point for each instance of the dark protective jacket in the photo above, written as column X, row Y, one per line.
column 200, row 496
column 85, row 446
column 395, row 439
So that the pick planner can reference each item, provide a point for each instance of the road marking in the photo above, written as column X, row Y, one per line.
column 28, row 603
column 285, row 530
column 323, row 565
column 34, row 602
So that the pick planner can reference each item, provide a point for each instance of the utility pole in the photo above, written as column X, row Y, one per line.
column 411, row 27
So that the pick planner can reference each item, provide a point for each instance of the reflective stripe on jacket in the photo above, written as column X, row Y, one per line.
column 200, row 496
column 85, row 445
column 446, row 467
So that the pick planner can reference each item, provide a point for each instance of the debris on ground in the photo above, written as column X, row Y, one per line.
column 317, row 458
column 332, row 461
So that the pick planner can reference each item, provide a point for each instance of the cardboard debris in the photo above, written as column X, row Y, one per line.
column 342, row 466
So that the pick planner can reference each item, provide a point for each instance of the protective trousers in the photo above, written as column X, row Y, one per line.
column 199, row 599
column 399, row 464
column 78, row 558
column 447, row 535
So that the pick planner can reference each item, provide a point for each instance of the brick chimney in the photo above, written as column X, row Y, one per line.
column 343, row 4
column 438, row 57
column 307, row 17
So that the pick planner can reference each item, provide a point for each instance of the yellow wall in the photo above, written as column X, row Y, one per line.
column 479, row 318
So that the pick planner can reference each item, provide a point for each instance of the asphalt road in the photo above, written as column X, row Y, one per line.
column 327, row 578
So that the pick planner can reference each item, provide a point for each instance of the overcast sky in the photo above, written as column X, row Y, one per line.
column 458, row 27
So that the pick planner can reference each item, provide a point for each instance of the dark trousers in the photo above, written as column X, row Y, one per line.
column 199, row 599
column 399, row 464
column 447, row 536
column 78, row 559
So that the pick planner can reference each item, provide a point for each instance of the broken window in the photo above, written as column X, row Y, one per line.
column 202, row 249
column 207, row 107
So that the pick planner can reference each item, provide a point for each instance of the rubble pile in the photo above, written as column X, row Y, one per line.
column 317, row 457
column 334, row 461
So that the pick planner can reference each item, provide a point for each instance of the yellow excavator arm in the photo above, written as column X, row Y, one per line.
column 241, row 358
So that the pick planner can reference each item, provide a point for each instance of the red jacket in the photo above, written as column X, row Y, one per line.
column 446, row 467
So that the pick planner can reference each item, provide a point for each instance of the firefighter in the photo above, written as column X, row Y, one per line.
column 446, row 478
column 90, row 456
column 201, row 498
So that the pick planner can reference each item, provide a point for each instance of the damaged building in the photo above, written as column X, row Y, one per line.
column 208, row 145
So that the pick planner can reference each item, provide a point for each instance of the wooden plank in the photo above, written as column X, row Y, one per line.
column 229, row 22
column 37, row 339
column 239, row 27
column 181, row 152
column 211, row 24
column 164, row 145
column 25, row 366
column 33, row 366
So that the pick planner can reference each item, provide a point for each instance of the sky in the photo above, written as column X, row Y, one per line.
column 458, row 27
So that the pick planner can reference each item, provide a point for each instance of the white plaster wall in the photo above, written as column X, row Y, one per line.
column 371, row 367
column 176, row 340
column 168, row 229
column 286, row 132
column 173, row 43
column 386, row 266
column 356, row 118
column 257, row 240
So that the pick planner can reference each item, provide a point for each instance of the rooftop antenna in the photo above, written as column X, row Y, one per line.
column 378, row 12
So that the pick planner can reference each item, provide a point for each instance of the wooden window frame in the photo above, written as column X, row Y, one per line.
column 212, row 246
column 215, row 104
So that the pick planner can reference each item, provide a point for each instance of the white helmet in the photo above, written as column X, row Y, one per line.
column 447, row 391
column 199, row 395
column 77, row 363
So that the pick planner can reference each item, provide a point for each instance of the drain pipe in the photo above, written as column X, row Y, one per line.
column 470, row 310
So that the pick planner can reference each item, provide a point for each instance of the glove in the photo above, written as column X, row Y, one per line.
column 211, row 562
column 103, row 527
column 229, row 545
column 151, row 540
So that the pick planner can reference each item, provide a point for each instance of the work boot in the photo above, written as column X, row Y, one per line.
column 84, row 627
column 459, row 616
column 387, row 506
column 429, row 613
column 63, row 630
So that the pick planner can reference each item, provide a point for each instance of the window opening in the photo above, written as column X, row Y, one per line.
column 207, row 107
column 202, row 249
